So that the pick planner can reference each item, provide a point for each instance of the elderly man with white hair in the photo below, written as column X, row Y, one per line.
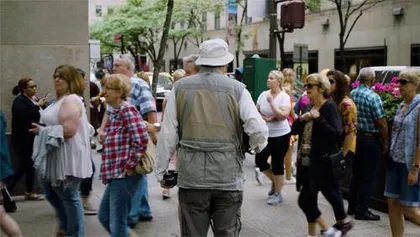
column 141, row 97
column 205, row 117
column 372, row 140
column 190, row 66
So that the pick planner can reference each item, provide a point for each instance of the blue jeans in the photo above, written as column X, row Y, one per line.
column 115, row 204
column 66, row 202
column 140, row 202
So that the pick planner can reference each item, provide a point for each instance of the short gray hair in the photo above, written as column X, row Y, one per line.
column 190, row 58
column 127, row 60
column 366, row 74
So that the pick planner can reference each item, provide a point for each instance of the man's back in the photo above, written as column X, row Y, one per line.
column 369, row 108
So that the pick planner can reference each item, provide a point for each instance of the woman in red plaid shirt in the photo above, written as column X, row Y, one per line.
column 124, row 144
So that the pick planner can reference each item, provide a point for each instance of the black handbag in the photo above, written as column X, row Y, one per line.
column 338, row 164
column 170, row 178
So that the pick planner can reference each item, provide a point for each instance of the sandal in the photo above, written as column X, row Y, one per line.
column 33, row 197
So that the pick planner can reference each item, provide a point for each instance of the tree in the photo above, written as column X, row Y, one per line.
column 144, row 26
column 348, row 15
column 240, row 35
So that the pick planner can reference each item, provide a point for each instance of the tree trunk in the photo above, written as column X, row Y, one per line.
column 280, row 38
column 343, row 58
column 158, row 64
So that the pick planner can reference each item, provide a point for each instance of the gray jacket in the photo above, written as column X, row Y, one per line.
column 49, row 154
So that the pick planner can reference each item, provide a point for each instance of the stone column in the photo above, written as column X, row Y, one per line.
column 36, row 36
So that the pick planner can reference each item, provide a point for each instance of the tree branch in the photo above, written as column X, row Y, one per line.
column 352, row 26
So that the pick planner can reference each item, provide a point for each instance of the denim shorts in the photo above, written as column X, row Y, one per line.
column 396, row 185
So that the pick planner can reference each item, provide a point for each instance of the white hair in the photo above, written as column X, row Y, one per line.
column 190, row 58
column 127, row 60
column 366, row 74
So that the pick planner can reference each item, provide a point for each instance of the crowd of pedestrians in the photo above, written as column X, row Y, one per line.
column 206, row 118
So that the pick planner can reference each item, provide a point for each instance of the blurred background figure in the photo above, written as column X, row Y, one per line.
column 189, row 65
column 7, row 224
column 25, row 111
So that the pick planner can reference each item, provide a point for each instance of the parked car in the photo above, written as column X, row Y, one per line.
column 386, row 73
column 164, row 86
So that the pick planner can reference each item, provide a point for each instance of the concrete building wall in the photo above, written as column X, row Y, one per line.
column 35, row 38
column 376, row 27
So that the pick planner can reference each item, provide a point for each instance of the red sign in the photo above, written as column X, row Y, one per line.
column 117, row 38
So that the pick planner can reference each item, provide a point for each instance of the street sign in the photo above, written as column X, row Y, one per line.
column 300, row 53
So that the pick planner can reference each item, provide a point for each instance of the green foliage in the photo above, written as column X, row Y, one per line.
column 313, row 5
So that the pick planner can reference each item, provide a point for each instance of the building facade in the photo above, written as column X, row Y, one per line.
column 386, row 34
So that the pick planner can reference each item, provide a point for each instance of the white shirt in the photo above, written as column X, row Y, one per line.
column 253, row 125
column 78, row 163
column 282, row 100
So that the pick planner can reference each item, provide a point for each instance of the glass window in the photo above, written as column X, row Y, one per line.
column 98, row 11
column 415, row 55
column 217, row 20
column 248, row 20
column 110, row 10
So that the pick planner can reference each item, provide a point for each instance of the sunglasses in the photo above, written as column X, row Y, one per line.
column 402, row 81
column 309, row 86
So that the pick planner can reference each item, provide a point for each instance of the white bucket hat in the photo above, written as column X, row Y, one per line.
column 214, row 52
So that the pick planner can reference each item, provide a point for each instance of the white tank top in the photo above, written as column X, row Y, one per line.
column 78, row 163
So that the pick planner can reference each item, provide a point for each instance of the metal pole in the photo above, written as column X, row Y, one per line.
column 273, row 28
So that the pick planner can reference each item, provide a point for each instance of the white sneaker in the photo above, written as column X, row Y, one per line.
column 290, row 181
column 331, row 232
column 259, row 176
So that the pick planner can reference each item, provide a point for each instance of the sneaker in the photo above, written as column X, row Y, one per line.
column 344, row 227
column 258, row 176
column 271, row 192
column 292, row 180
column 88, row 211
column 367, row 216
column 275, row 199
column 33, row 197
column 331, row 232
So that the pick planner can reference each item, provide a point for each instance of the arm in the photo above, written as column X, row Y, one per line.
column 138, row 136
column 152, row 118
column 383, row 131
column 253, row 125
column 350, row 126
column 69, row 116
column 280, row 112
column 168, row 137
column 102, row 127
column 414, row 171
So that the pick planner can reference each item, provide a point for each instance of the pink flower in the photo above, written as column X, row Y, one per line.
column 394, row 80
column 355, row 84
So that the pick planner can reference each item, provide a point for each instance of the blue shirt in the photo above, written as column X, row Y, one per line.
column 369, row 108
column 141, row 96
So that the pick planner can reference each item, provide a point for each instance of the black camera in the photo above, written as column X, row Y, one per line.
column 170, row 178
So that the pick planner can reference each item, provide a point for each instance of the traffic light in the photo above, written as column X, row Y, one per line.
column 293, row 15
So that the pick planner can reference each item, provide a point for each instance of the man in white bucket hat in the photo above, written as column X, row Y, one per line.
column 205, row 118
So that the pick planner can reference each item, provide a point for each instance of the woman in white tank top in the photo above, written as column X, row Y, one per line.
column 69, row 112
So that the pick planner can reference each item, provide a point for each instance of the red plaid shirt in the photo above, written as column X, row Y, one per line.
column 125, row 141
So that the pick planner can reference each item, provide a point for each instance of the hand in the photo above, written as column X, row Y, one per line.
column 314, row 113
column 101, row 136
column 35, row 128
column 412, row 177
column 306, row 117
column 269, row 98
column 384, row 148
column 267, row 118
column 42, row 102
column 129, row 172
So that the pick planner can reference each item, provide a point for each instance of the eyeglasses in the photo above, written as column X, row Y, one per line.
column 34, row 86
column 309, row 85
column 402, row 81
column 331, row 81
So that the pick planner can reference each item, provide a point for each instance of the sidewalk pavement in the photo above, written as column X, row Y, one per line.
column 37, row 219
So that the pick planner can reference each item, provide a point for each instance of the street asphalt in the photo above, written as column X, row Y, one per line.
column 37, row 219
